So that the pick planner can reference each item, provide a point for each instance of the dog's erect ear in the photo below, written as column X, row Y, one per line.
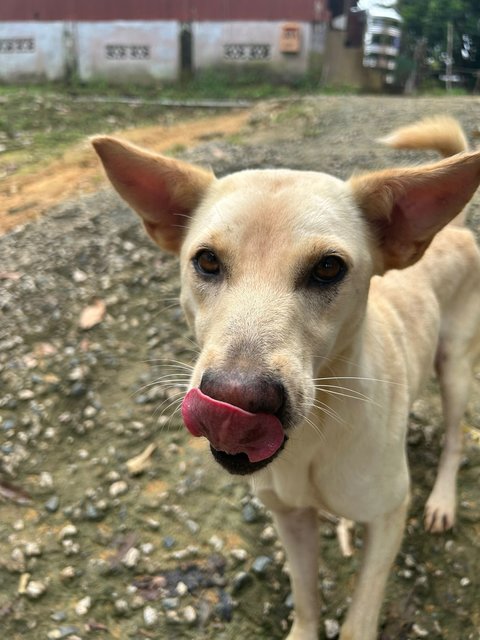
column 163, row 191
column 407, row 207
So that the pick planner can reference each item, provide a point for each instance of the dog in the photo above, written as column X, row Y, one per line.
column 321, row 307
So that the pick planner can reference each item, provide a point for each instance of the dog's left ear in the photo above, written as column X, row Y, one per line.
column 163, row 191
column 406, row 207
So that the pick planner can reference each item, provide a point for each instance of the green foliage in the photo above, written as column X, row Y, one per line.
column 428, row 20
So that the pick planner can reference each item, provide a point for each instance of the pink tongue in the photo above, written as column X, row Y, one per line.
column 231, row 429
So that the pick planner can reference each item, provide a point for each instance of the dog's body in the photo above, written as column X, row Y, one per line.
column 319, row 324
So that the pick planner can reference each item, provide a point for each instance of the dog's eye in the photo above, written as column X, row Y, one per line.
column 328, row 270
column 206, row 263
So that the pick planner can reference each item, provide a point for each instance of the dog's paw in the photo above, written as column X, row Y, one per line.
column 439, row 513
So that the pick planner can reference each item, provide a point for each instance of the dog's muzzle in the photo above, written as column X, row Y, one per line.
column 241, row 440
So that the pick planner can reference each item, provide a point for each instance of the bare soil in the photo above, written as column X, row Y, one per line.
column 90, row 548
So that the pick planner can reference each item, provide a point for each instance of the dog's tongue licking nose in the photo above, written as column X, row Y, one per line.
column 231, row 429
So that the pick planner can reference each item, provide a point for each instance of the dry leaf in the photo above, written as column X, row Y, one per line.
column 141, row 462
column 92, row 315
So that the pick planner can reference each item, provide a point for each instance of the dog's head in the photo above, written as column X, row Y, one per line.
column 276, row 267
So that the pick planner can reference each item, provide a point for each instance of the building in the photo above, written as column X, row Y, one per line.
column 141, row 40
column 342, row 42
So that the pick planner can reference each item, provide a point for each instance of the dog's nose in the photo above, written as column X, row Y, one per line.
column 249, row 391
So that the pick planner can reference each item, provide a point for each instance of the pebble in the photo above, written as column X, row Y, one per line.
column 68, row 531
column 261, row 564
column 240, row 580
column 131, row 558
column 419, row 631
column 150, row 616
column 170, row 603
column 118, row 488
column 332, row 628
column 181, row 589
column 189, row 614
column 250, row 513
column 33, row 550
column 52, row 504
column 122, row 607
column 83, row 606
column 238, row 554
column 268, row 534
column 35, row 589
column 67, row 573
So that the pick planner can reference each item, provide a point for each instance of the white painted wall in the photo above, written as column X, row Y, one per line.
column 19, row 61
column 211, row 38
column 133, row 38
column 144, row 50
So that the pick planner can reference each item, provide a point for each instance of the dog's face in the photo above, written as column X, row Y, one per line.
column 276, row 267
column 275, row 277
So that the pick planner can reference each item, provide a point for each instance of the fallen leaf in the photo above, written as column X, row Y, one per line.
column 14, row 494
column 92, row 315
column 141, row 462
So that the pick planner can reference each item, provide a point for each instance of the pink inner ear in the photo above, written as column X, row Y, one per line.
column 407, row 207
column 161, row 190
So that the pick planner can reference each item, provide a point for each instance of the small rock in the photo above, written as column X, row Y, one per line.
column 189, row 614
column 52, row 504
column 170, row 603
column 419, row 631
column 250, row 513
column 131, row 558
column 121, row 606
column 83, row 606
column 268, row 534
column 67, row 573
column 68, row 531
column 35, row 589
column 118, row 488
column 216, row 542
column 150, row 616
column 181, row 589
column 241, row 580
column 33, row 550
column 260, row 564
column 332, row 628
column 238, row 554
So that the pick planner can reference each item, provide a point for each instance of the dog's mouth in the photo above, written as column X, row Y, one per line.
column 240, row 441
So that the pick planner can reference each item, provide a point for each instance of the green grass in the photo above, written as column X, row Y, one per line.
column 41, row 121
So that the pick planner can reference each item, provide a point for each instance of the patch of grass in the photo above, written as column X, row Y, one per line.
column 38, row 122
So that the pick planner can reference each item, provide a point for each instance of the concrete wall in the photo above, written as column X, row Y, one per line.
column 249, row 43
column 32, row 50
column 122, row 51
column 145, row 50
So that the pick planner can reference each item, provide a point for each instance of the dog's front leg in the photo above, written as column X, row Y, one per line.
column 382, row 541
column 298, row 530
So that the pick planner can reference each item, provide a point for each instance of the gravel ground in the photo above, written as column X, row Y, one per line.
column 97, row 543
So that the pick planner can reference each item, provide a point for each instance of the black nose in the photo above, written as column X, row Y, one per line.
column 249, row 391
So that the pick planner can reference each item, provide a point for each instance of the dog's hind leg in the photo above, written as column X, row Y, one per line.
column 455, row 375
column 298, row 530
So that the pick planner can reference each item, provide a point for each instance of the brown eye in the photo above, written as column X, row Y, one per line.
column 328, row 270
column 206, row 263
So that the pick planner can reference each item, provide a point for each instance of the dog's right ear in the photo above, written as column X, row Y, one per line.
column 407, row 207
column 163, row 191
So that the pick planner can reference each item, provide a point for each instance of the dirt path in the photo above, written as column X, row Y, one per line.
column 24, row 197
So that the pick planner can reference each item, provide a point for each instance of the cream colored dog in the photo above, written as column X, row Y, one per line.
column 321, row 307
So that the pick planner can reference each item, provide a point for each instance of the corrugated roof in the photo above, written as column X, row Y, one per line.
column 183, row 10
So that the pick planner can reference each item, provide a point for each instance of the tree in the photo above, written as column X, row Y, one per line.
column 428, row 20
